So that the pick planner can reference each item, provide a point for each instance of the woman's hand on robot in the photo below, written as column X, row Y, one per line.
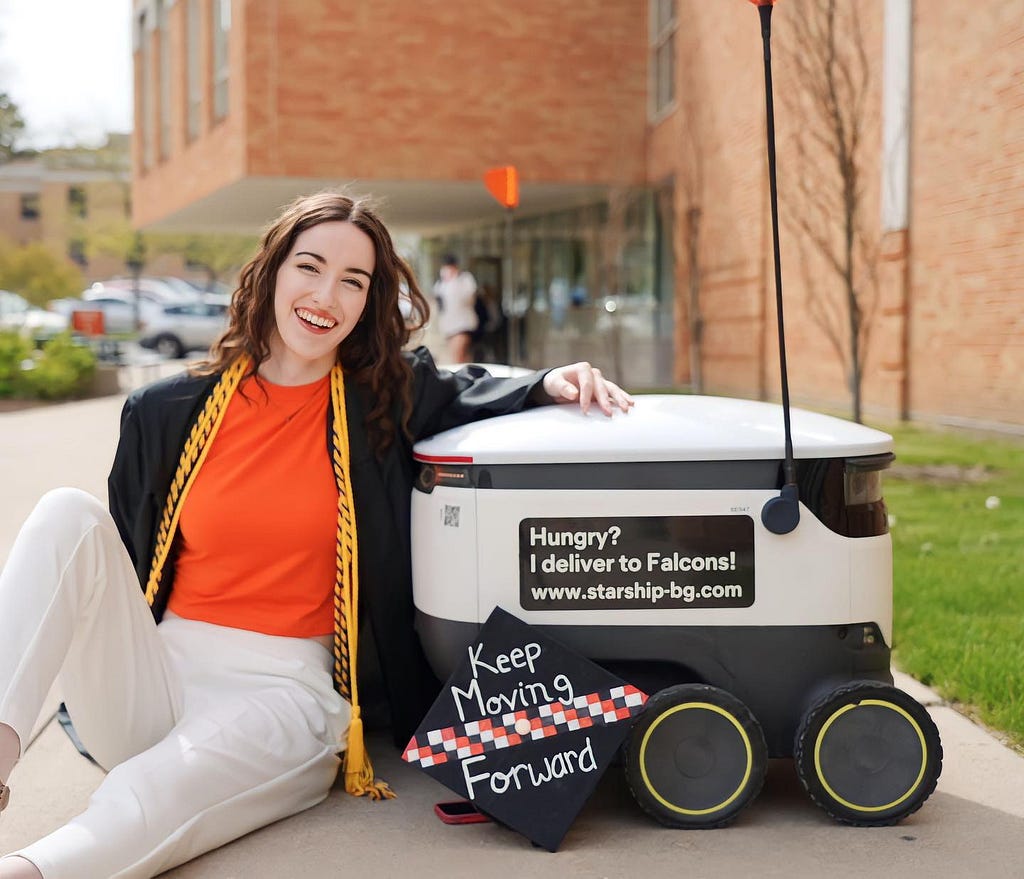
column 583, row 383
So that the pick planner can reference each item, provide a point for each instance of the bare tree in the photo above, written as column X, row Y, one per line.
column 831, row 113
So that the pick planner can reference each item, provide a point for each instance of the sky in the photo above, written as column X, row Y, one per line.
column 67, row 65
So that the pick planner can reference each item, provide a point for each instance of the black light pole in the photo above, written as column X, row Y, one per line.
column 781, row 514
column 134, row 263
column 503, row 184
column 510, row 291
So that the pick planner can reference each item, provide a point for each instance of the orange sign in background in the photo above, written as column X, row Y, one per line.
column 88, row 322
column 503, row 184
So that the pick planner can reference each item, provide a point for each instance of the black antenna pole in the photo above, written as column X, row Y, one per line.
column 780, row 515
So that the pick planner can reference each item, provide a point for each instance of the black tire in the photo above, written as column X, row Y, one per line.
column 169, row 346
column 868, row 754
column 695, row 757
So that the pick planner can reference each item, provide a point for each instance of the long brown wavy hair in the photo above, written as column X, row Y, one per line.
column 371, row 354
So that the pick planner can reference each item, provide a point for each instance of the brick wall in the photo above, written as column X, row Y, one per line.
column 712, row 146
column 217, row 157
column 721, row 168
column 967, row 268
column 947, row 336
column 400, row 90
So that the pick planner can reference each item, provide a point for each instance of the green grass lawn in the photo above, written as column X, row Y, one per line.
column 959, row 569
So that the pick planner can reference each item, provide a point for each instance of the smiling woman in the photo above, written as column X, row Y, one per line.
column 250, row 498
column 320, row 296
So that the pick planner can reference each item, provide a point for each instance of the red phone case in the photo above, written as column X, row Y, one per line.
column 459, row 812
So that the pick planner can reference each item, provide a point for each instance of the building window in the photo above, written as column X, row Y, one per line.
column 193, row 84
column 30, row 206
column 145, row 80
column 76, row 252
column 77, row 203
column 221, row 31
column 898, row 52
column 663, row 55
column 164, row 67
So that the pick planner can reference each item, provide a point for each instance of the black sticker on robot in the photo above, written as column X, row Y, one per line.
column 632, row 562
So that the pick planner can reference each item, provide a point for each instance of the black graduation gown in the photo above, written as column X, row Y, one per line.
column 157, row 419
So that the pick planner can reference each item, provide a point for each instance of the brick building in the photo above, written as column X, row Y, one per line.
column 61, row 197
column 48, row 197
column 643, row 237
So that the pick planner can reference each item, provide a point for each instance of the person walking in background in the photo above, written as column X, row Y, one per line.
column 455, row 292
column 261, row 499
column 489, row 340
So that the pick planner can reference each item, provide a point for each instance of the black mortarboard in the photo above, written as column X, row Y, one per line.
column 524, row 728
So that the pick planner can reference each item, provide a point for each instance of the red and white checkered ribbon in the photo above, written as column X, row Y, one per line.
column 491, row 734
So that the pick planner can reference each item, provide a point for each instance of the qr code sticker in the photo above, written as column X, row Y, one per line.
column 451, row 516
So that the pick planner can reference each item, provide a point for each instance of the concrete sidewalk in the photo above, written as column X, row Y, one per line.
column 973, row 825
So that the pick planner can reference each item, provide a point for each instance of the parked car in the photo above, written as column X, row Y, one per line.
column 118, row 311
column 150, row 289
column 185, row 288
column 209, row 291
column 35, row 323
column 221, row 299
column 174, row 330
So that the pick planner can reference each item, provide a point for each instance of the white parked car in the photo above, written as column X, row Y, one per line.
column 34, row 323
column 174, row 330
column 118, row 311
column 210, row 291
column 150, row 289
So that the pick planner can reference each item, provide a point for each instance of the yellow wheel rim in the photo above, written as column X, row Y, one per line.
column 821, row 737
column 746, row 745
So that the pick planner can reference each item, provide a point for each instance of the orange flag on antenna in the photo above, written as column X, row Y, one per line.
column 503, row 184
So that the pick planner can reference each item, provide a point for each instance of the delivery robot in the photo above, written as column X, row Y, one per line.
column 648, row 543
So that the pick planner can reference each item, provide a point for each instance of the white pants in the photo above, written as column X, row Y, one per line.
column 208, row 732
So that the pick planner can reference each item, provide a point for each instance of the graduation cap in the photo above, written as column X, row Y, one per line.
column 524, row 728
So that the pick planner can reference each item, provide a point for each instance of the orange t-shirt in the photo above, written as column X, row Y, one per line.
column 258, row 529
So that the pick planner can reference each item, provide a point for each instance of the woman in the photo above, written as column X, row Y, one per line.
column 456, row 292
column 262, row 500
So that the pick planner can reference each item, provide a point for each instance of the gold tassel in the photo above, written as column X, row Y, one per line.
column 359, row 777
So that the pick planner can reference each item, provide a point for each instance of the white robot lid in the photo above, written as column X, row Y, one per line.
column 661, row 427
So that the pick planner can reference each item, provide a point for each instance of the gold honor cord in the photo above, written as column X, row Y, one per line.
column 359, row 777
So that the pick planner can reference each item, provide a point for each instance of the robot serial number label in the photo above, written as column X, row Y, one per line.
column 636, row 562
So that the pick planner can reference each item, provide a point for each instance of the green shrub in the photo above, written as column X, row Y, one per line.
column 62, row 370
column 13, row 351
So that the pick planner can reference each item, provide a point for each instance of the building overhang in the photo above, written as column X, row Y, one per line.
column 423, row 207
